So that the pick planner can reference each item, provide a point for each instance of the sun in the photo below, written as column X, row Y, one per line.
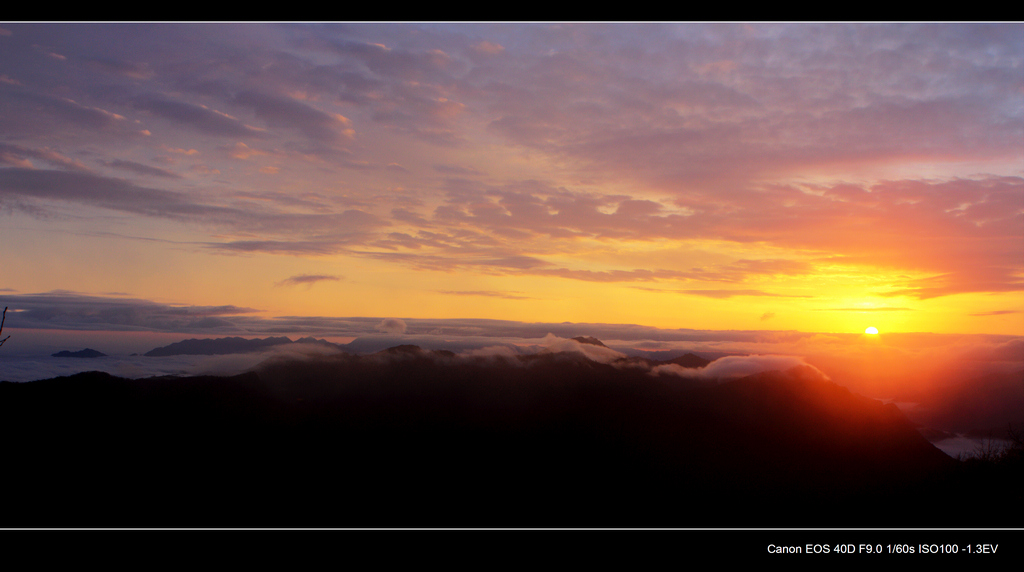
column 871, row 330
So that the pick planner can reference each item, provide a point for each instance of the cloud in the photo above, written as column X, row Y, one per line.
column 492, row 351
column 732, row 367
column 198, row 117
column 456, row 170
column 633, row 275
column 868, row 309
column 141, row 169
column 114, row 194
column 410, row 65
column 392, row 326
column 333, row 229
column 92, row 189
column 799, row 150
column 699, row 127
column 133, row 70
column 996, row 313
column 767, row 316
column 308, row 279
column 499, row 263
column 181, row 151
column 65, row 111
column 289, row 247
column 739, row 292
column 487, row 293
column 555, row 344
column 242, row 151
column 65, row 310
column 975, row 224
column 899, row 363
column 17, row 156
column 292, row 114
column 489, row 48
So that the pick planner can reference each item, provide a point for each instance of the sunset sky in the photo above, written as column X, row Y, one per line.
column 811, row 177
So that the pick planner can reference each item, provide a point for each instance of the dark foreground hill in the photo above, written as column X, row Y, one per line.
column 415, row 438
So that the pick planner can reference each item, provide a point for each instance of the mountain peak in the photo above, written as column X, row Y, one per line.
column 589, row 340
column 217, row 346
column 86, row 353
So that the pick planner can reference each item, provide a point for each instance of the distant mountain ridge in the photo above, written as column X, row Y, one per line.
column 86, row 353
column 233, row 345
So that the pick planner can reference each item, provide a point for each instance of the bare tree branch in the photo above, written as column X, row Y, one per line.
column 2, row 326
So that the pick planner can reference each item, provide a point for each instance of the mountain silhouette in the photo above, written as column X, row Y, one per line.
column 982, row 404
column 223, row 346
column 411, row 438
column 589, row 340
column 86, row 353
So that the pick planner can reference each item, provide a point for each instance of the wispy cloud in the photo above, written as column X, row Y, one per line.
column 996, row 313
column 289, row 113
column 18, row 156
column 333, row 229
column 66, row 310
column 487, row 293
column 201, row 118
column 869, row 309
column 141, row 169
column 456, row 170
column 63, row 109
column 738, row 292
column 308, row 279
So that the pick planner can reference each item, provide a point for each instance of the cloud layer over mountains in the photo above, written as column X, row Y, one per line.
column 884, row 365
column 410, row 437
